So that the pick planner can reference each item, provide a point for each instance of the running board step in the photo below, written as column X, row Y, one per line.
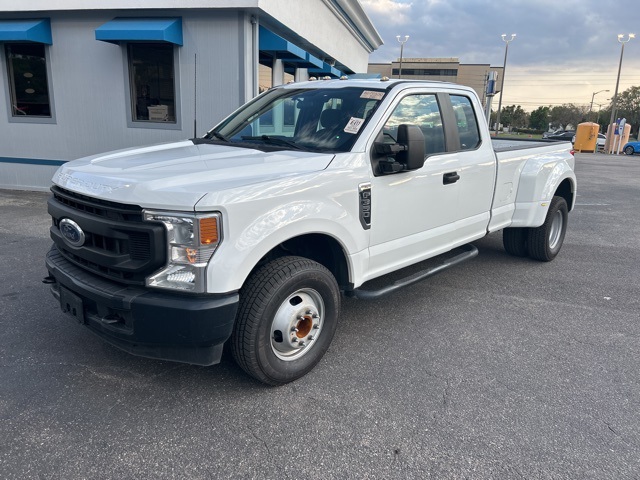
column 470, row 251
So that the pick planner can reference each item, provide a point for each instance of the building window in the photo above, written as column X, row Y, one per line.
column 28, row 83
column 152, row 82
column 427, row 72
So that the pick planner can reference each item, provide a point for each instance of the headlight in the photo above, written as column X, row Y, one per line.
column 191, row 241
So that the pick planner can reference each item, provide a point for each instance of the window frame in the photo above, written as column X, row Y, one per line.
column 128, row 76
column 451, row 121
column 4, row 60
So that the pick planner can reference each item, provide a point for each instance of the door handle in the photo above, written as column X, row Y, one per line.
column 451, row 177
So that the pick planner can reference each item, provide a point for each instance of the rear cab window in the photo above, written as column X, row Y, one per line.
column 466, row 122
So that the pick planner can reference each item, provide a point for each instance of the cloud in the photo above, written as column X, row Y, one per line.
column 388, row 11
column 564, row 51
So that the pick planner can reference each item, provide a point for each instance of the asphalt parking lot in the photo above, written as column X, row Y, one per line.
column 499, row 368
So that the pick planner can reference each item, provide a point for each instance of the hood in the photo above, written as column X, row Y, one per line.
column 177, row 175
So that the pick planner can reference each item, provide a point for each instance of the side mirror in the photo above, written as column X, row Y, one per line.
column 412, row 137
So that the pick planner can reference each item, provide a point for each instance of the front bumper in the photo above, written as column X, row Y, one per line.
column 181, row 328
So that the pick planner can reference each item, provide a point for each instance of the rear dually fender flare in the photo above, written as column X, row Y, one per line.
column 540, row 181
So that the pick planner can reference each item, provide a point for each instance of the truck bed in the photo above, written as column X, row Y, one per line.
column 505, row 145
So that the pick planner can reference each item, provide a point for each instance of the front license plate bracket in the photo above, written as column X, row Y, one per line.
column 72, row 304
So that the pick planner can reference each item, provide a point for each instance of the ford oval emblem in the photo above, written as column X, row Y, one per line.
column 71, row 232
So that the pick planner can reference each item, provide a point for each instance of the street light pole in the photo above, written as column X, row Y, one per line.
column 504, row 70
column 402, row 42
column 615, row 94
column 592, row 97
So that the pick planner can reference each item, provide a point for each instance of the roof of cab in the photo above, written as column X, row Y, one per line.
column 373, row 83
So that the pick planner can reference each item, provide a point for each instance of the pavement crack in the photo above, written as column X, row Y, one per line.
column 446, row 395
column 266, row 446
column 616, row 433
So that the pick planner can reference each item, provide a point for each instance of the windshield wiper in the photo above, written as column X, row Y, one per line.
column 219, row 136
column 277, row 141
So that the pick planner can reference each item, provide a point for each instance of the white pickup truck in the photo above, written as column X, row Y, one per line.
column 249, row 235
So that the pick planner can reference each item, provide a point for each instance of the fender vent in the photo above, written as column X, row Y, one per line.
column 364, row 191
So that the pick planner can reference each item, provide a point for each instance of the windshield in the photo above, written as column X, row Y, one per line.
column 314, row 119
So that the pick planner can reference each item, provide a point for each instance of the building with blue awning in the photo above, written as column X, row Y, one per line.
column 77, row 82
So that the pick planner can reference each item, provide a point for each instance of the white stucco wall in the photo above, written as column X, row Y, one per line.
column 90, row 84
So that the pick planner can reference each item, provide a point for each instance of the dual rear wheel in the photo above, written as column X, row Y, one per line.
column 544, row 242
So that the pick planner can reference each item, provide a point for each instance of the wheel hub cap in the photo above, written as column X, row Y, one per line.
column 297, row 324
column 556, row 230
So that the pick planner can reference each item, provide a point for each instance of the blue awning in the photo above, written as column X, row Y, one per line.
column 274, row 46
column 326, row 69
column 313, row 61
column 36, row 31
column 167, row 30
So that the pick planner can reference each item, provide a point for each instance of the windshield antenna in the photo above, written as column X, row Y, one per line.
column 195, row 92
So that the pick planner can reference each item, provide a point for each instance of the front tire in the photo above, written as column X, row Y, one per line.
column 545, row 241
column 286, row 320
column 629, row 150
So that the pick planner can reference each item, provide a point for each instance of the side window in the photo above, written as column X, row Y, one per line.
column 423, row 111
column 466, row 121
column 152, row 82
column 28, row 82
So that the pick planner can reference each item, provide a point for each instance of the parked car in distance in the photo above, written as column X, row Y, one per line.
column 631, row 147
column 566, row 135
column 546, row 134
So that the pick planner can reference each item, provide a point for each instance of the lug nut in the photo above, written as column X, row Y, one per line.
column 316, row 326
column 315, row 315
column 294, row 329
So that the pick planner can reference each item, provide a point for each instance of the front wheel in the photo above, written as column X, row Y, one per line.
column 544, row 242
column 287, row 317
column 629, row 150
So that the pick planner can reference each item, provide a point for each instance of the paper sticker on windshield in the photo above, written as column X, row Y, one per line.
column 354, row 125
column 372, row 94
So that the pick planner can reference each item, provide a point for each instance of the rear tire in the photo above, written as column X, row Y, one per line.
column 515, row 241
column 287, row 317
column 629, row 151
column 544, row 242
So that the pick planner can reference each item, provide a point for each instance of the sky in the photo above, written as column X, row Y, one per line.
column 564, row 51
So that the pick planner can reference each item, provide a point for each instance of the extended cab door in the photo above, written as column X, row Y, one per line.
column 422, row 213
column 476, row 162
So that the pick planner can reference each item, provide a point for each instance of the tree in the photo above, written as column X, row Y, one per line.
column 602, row 118
column 539, row 118
column 628, row 106
column 567, row 114
column 514, row 116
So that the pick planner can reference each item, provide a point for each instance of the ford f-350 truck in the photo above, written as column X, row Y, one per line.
column 248, row 236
